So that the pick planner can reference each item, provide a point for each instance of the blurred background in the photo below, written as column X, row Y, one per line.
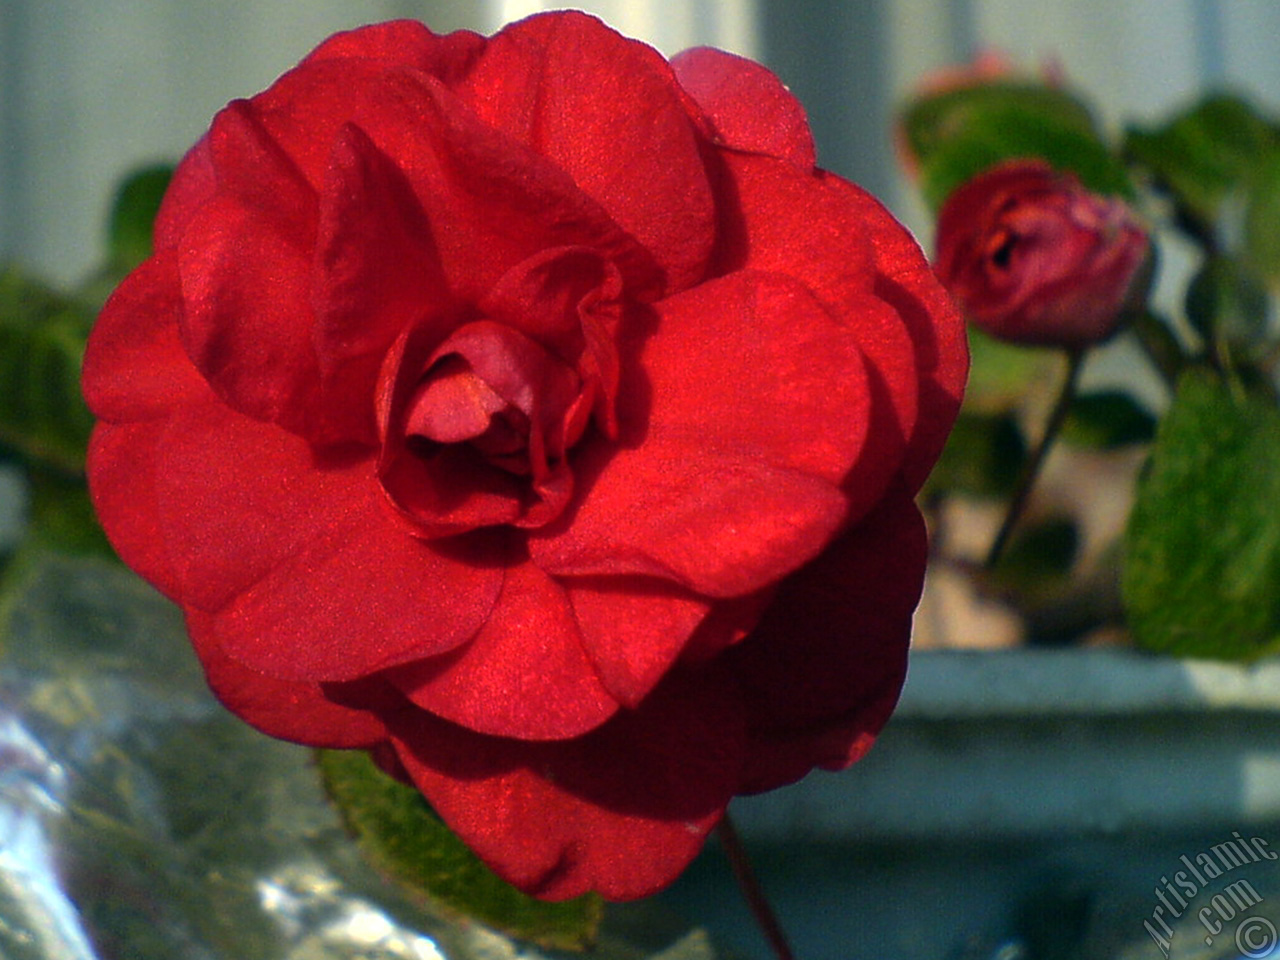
column 91, row 89
column 1017, row 809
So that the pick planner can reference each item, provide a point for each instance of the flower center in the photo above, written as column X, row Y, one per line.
column 453, row 404
column 483, row 433
column 477, row 428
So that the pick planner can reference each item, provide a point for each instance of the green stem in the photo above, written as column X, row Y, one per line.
column 1030, row 472
column 758, row 903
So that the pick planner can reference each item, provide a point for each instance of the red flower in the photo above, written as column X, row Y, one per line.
column 1033, row 257
column 533, row 413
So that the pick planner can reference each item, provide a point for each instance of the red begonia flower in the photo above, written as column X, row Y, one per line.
column 1035, row 258
column 533, row 413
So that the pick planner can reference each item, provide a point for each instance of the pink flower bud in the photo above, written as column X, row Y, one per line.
column 1033, row 257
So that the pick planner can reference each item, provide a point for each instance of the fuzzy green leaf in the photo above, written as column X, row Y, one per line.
column 42, row 338
column 982, row 457
column 60, row 516
column 999, row 135
column 1203, row 154
column 1039, row 558
column 1106, row 420
column 1202, row 550
column 957, row 135
column 931, row 122
column 132, row 214
column 1226, row 301
column 1262, row 217
column 404, row 839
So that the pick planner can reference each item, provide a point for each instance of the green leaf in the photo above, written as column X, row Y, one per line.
column 957, row 135
column 134, row 211
column 1163, row 348
column 1106, row 420
column 1262, row 217
column 1201, row 155
column 1228, row 306
column 931, row 122
column 129, row 231
column 42, row 338
column 982, row 457
column 996, row 136
column 1201, row 570
column 1040, row 558
column 61, row 517
column 404, row 838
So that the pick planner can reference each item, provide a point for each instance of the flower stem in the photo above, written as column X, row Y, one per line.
column 751, row 892
column 1030, row 472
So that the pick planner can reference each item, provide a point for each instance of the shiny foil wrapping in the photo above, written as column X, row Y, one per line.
column 138, row 819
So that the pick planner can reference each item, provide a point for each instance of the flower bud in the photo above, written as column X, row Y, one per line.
column 1035, row 258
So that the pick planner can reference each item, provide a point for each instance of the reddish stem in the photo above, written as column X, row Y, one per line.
column 751, row 891
column 1057, row 417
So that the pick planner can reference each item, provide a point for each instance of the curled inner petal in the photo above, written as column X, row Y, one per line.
column 453, row 405
column 485, row 432
column 478, row 425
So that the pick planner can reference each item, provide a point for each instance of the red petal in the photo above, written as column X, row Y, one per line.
column 568, row 299
column 757, row 407
column 377, row 274
column 453, row 406
column 517, row 368
column 239, row 498
column 525, row 674
column 556, row 82
column 827, row 660
column 452, row 490
column 291, row 710
column 633, row 630
column 621, row 810
column 748, row 106
column 193, row 184
column 778, row 218
column 491, row 201
column 547, row 297
column 246, row 261
column 729, row 622
column 121, row 470
column 781, row 757
column 359, row 600
column 305, row 110
column 310, row 577
column 933, row 322
column 134, row 365
column 447, row 485
column 808, row 226
column 404, row 43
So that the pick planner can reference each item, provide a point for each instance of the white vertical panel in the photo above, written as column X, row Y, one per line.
column 835, row 55
column 923, row 36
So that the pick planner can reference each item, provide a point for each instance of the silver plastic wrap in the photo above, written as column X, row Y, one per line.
column 138, row 819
